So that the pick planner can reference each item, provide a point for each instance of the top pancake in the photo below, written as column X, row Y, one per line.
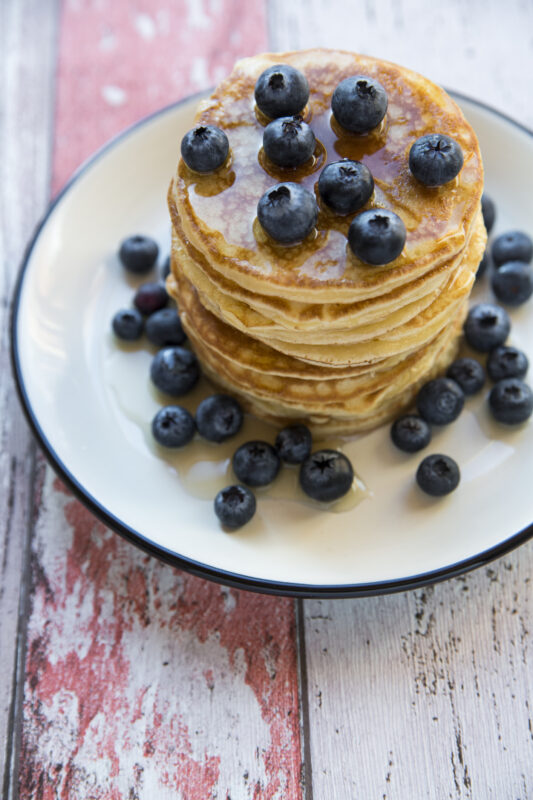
column 217, row 212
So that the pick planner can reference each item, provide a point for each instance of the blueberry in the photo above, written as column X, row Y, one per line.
column 205, row 148
column 512, row 283
column 359, row 103
column 326, row 475
column 287, row 212
column 512, row 246
column 173, row 426
column 488, row 209
column 410, row 433
column 288, row 141
column 138, row 254
column 175, row 370
column 281, row 91
column 377, row 236
column 235, row 506
column 150, row 297
column 438, row 475
column 294, row 443
column 256, row 463
column 468, row 373
column 163, row 328
column 435, row 159
column 165, row 268
column 506, row 362
column 487, row 325
column 219, row 417
column 511, row 401
column 128, row 324
column 484, row 265
column 345, row 186
column 440, row 401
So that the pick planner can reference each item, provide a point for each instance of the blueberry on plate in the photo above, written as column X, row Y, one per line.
column 204, row 148
column 163, row 328
column 487, row 325
column 173, row 426
column 438, row 475
column 440, row 401
column 326, row 475
column 256, row 463
column 511, row 401
column 435, row 159
column 484, row 264
column 128, row 324
column 138, row 254
column 506, row 362
column 488, row 209
column 512, row 246
column 287, row 212
column 175, row 370
column 410, row 433
column 150, row 297
column 281, row 91
column 288, row 141
column 294, row 443
column 468, row 373
column 512, row 283
column 235, row 506
column 219, row 417
column 359, row 103
column 345, row 186
column 377, row 236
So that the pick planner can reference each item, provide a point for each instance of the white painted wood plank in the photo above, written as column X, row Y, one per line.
column 27, row 48
column 425, row 694
column 481, row 48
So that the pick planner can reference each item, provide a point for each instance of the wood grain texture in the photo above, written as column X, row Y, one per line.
column 120, row 61
column 425, row 694
column 27, row 45
column 480, row 48
column 143, row 682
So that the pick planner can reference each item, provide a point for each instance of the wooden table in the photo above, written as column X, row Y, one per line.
column 124, row 678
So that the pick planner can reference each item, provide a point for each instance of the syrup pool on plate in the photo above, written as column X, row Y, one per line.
column 203, row 467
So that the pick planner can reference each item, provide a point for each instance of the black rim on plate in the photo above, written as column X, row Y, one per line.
column 174, row 559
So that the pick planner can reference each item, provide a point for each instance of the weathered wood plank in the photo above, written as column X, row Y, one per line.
column 424, row 694
column 27, row 46
column 145, row 682
column 474, row 48
column 142, row 681
column 120, row 61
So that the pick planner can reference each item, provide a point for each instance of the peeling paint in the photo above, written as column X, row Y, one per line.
column 152, row 681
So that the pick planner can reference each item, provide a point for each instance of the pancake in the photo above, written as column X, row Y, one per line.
column 309, row 331
column 394, row 314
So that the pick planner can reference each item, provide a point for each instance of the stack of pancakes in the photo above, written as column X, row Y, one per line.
column 308, row 332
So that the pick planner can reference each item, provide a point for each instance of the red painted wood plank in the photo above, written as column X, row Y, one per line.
column 143, row 681
column 141, row 676
column 122, row 60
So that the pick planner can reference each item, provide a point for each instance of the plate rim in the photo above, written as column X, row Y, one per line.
column 218, row 575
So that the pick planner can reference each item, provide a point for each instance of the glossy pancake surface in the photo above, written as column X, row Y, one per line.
column 218, row 212
column 308, row 331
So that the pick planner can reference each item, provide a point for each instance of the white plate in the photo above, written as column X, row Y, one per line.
column 90, row 402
